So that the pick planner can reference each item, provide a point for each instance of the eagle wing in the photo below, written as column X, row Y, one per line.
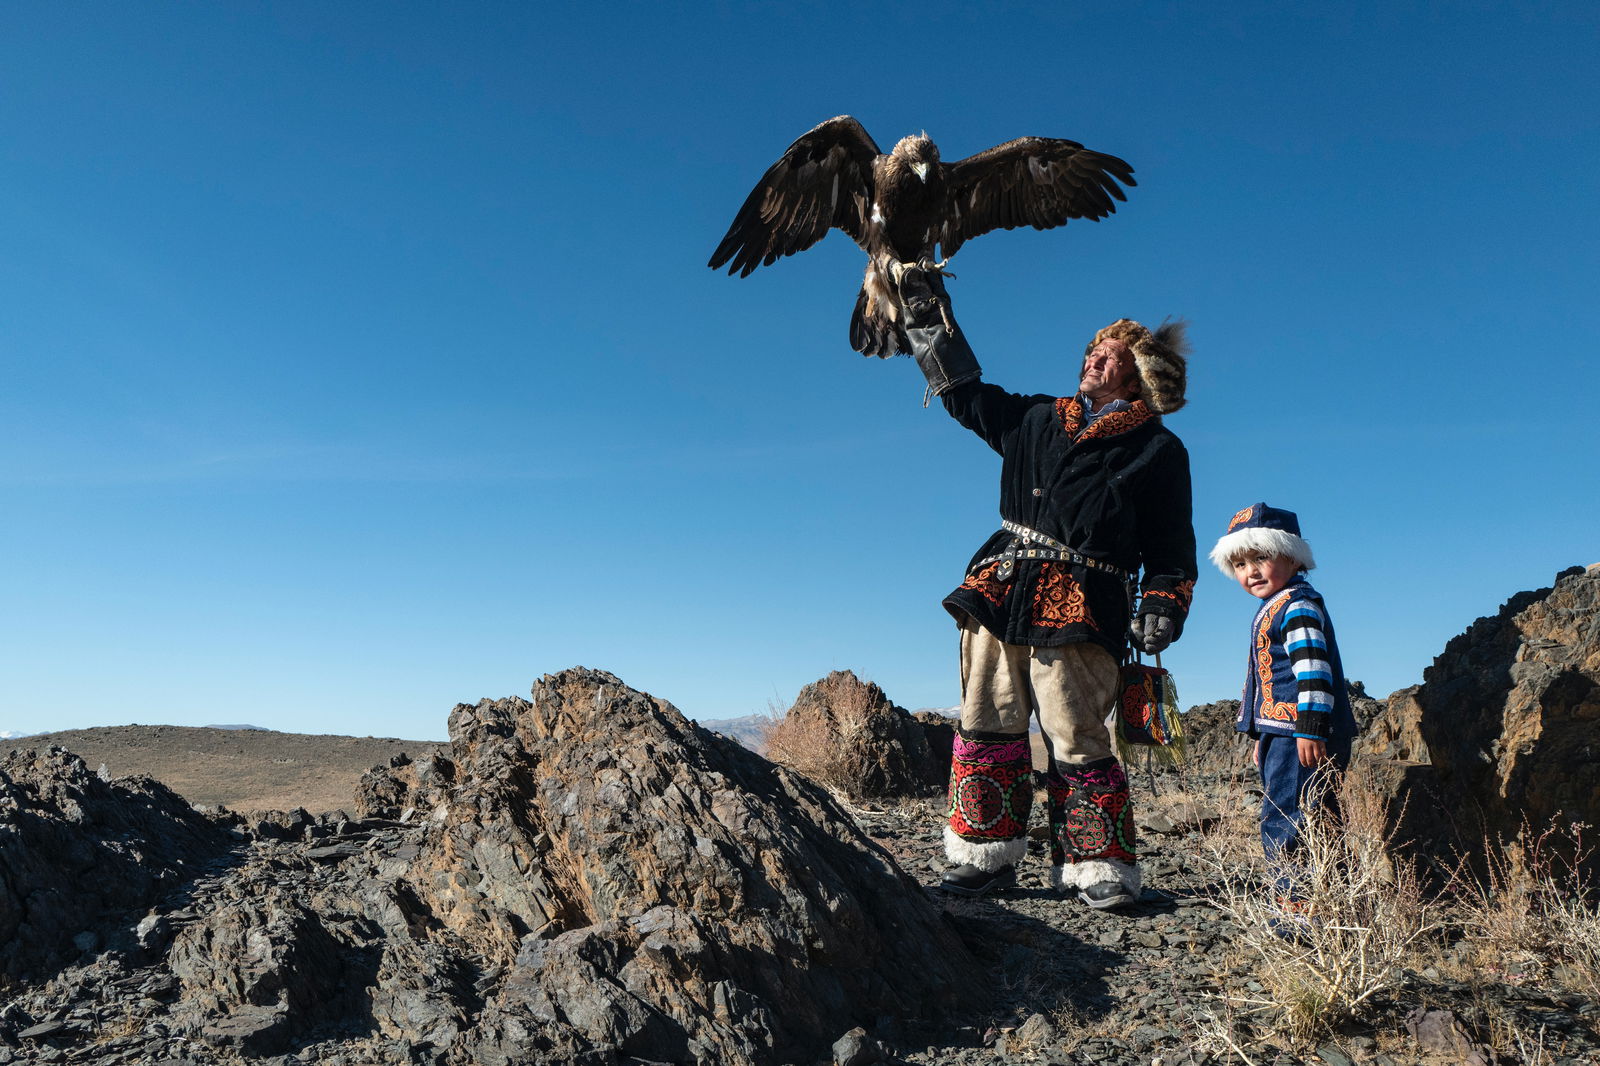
column 1031, row 181
column 822, row 181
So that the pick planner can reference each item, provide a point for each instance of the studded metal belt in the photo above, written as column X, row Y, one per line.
column 1031, row 544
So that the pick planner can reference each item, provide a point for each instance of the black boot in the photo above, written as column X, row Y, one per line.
column 968, row 880
column 1106, row 895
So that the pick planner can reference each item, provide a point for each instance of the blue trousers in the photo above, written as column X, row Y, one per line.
column 1292, row 790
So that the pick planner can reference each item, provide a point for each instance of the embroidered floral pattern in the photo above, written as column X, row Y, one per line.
column 1072, row 417
column 1091, row 816
column 1070, row 412
column 1182, row 594
column 991, row 788
column 1275, row 711
column 1185, row 591
column 985, row 584
column 1119, row 421
column 1241, row 518
column 1058, row 600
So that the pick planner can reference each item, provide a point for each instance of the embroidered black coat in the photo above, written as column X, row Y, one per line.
column 1117, row 492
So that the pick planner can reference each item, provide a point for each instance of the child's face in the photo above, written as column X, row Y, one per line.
column 1264, row 576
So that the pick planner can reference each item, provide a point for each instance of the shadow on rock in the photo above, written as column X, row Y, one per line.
column 82, row 857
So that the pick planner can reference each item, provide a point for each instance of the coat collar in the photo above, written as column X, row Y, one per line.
column 1069, row 409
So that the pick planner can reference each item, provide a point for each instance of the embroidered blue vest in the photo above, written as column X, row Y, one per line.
column 1271, row 695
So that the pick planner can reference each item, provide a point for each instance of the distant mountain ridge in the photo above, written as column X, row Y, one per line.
column 243, row 768
column 750, row 731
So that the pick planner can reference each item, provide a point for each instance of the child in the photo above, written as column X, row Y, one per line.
column 1296, row 703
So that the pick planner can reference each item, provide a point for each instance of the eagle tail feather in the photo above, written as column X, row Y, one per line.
column 872, row 332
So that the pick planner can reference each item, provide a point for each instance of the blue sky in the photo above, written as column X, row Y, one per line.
column 358, row 359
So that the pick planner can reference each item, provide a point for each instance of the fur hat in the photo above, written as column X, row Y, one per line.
column 1159, row 357
column 1268, row 530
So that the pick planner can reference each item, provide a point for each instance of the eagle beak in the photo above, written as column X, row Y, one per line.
column 921, row 170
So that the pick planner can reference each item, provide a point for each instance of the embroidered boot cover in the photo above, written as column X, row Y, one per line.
column 991, row 786
column 1091, row 816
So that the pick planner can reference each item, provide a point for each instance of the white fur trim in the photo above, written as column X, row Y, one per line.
column 1270, row 542
column 1094, row 871
column 986, row 855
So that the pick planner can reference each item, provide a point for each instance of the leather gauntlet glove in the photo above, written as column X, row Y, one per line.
column 1152, row 633
column 935, row 340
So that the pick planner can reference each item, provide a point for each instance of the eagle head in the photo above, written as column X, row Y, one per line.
column 919, row 153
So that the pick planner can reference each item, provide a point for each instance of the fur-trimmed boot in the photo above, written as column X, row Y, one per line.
column 1093, row 849
column 991, row 793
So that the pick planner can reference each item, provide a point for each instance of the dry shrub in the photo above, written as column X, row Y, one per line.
column 830, row 742
column 1533, row 917
column 1362, row 916
column 1220, row 1032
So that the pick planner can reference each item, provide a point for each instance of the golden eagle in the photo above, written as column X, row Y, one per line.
column 899, row 206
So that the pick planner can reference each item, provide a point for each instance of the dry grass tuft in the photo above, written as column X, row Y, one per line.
column 1073, row 1025
column 1533, row 919
column 832, row 746
column 1362, row 917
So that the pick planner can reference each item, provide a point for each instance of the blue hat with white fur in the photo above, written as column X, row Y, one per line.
column 1265, row 530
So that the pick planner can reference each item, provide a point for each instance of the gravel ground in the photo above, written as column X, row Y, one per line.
column 1165, row 982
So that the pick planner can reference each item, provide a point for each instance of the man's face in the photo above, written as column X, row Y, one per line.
column 1108, row 372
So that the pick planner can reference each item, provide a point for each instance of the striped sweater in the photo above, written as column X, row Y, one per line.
column 1295, row 683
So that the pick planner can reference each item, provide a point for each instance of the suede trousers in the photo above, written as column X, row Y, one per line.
column 1070, row 688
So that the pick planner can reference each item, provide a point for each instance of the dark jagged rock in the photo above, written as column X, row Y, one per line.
column 585, row 878
column 262, row 968
column 645, row 885
column 78, row 853
column 1392, row 729
column 939, row 732
column 589, row 878
column 1500, row 740
column 1211, row 744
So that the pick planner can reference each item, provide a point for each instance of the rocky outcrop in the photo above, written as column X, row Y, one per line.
column 1211, row 743
column 1391, row 729
column 845, row 733
column 1503, row 735
column 939, row 733
column 586, row 877
column 644, row 885
column 79, row 854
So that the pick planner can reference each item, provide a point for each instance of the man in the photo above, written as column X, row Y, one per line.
column 1093, row 488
